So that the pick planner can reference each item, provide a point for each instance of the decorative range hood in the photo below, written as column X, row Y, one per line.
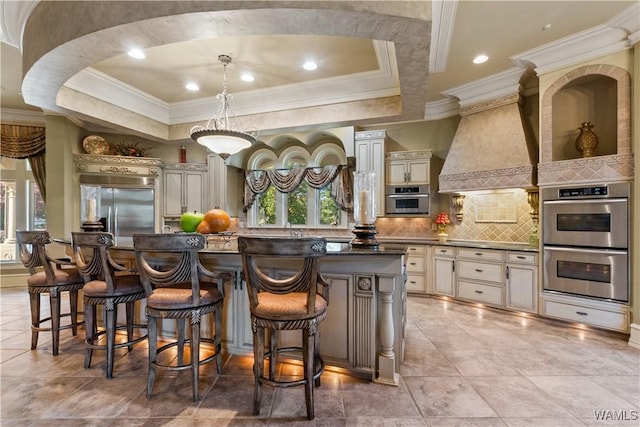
column 493, row 148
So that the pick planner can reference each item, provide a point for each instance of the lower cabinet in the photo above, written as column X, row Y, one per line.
column 237, row 337
column 444, row 267
column 522, row 281
column 416, row 269
column 602, row 314
column 480, row 275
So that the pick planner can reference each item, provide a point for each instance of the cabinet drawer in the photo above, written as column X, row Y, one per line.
column 415, row 282
column 443, row 251
column 479, row 254
column 415, row 250
column 481, row 271
column 415, row 264
column 592, row 316
column 522, row 257
column 482, row 293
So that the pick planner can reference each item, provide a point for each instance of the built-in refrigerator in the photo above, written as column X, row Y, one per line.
column 123, row 207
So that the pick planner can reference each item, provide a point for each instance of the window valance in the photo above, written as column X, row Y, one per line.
column 27, row 142
column 287, row 180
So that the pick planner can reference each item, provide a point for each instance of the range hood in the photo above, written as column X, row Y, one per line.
column 493, row 148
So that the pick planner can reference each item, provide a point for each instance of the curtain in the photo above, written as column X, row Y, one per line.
column 26, row 142
column 287, row 180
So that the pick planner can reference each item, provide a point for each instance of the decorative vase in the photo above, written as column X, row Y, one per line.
column 587, row 141
column 442, row 233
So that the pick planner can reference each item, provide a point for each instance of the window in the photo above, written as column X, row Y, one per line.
column 21, row 206
column 305, row 206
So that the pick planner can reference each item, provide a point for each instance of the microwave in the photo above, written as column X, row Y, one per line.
column 407, row 200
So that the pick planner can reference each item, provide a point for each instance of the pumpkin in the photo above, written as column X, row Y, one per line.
column 203, row 228
column 218, row 220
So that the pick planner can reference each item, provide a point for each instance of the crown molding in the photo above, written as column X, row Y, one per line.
column 22, row 117
column 442, row 23
column 13, row 19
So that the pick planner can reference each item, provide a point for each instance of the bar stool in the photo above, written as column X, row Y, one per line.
column 296, row 301
column 106, row 286
column 52, row 279
column 177, row 288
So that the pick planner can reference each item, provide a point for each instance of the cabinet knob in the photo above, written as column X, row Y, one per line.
column 479, row 270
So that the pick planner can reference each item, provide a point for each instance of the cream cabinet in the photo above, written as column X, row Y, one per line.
column 480, row 276
column 416, row 269
column 184, row 188
column 407, row 172
column 602, row 314
column 369, row 151
column 522, row 281
column 444, row 268
column 225, row 186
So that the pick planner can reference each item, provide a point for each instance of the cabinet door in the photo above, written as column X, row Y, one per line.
column 370, row 156
column 522, row 288
column 396, row 173
column 193, row 192
column 444, row 269
column 418, row 171
column 173, row 184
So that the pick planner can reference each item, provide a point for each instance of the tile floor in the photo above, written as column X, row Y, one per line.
column 463, row 366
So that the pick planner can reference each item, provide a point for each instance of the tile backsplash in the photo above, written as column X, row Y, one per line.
column 504, row 218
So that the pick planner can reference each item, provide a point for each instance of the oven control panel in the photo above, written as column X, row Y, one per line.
column 601, row 190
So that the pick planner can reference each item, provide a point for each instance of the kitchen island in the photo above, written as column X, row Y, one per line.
column 364, row 331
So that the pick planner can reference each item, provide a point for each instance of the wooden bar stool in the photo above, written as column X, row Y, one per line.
column 179, row 287
column 107, row 284
column 295, row 302
column 48, row 277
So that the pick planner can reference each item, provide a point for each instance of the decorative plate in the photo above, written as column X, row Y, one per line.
column 94, row 144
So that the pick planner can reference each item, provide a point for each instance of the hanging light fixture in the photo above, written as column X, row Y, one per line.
column 219, row 135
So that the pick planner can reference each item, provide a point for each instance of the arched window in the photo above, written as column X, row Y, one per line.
column 304, row 206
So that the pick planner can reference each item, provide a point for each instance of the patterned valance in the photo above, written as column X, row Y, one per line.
column 27, row 142
column 287, row 180
column 20, row 142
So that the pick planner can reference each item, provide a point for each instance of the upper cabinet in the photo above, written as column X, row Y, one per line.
column 369, row 151
column 225, row 186
column 408, row 167
column 184, row 188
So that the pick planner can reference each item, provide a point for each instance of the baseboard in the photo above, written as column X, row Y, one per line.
column 634, row 338
column 14, row 280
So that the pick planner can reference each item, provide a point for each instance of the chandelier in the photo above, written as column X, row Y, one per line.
column 219, row 135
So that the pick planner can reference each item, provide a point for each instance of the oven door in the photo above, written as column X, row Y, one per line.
column 600, row 273
column 588, row 222
column 416, row 204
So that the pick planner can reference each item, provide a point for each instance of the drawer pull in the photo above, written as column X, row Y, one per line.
column 412, row 263
column 412, row 249
column 521, row 257
column 412, row 282
column 581, row 313
column 443, row 251
column 479, row 292
column 479, row 254
column 479, row 270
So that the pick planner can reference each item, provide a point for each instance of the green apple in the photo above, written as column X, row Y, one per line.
column 189, row 221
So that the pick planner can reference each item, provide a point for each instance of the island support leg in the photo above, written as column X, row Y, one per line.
column 386, row 358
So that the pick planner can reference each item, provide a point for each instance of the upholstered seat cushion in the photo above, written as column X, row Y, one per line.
column 63, row 276
column 178, row 297
column 124, row 285
column 287, row 306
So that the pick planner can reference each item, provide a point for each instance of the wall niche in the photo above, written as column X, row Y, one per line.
column 599, row 94
column 586, row 99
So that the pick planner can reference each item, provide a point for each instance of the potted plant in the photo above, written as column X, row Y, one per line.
column 442, row 220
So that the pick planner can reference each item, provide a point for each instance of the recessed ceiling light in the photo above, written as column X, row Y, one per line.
column 480, row 59
column 136, row 53
column 310, row 66
column 193, row 87
column 246, row 77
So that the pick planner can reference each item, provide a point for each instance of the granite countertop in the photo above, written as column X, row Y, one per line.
column 464, row 244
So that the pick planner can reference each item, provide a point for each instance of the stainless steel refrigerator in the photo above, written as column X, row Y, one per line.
column 125, row 205
column 125, row 211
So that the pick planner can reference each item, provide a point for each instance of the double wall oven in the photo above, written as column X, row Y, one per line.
column 586, row 240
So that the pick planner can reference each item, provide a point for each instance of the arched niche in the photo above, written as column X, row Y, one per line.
column 599, row 94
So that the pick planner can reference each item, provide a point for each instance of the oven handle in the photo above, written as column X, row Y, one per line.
column 584, row 201
column 406, row 196
column 583, row 250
